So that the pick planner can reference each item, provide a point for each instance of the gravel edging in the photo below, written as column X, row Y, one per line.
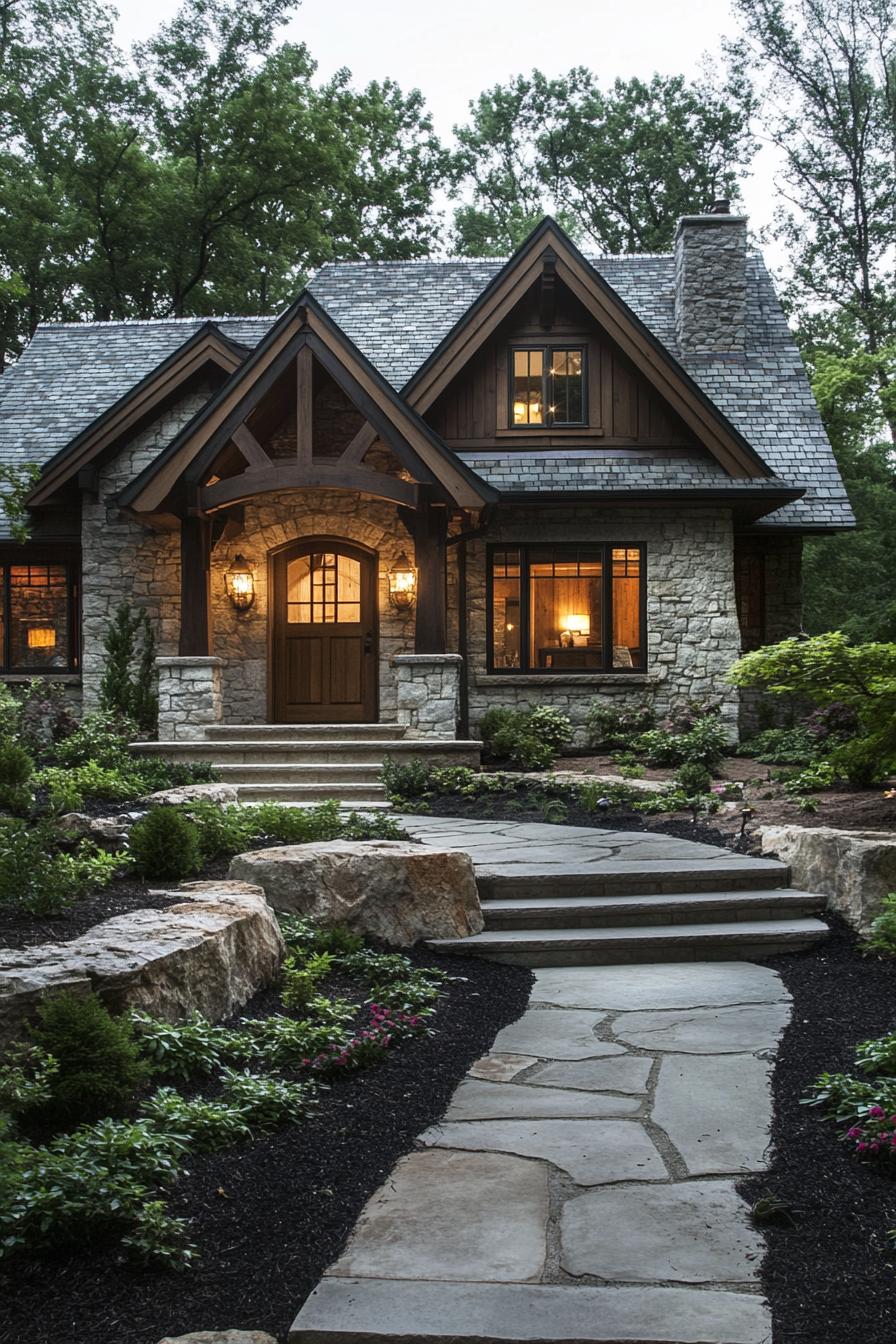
column 271, row 1215
column 831, row 1277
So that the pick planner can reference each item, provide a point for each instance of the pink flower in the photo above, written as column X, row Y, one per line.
column 876, row 1111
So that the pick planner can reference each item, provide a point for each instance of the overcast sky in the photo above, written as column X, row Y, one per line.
column 452, row 51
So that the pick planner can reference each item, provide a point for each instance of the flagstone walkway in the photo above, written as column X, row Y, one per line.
column 581, row 1186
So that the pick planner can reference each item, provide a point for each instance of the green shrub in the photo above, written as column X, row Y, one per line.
column 811, row 780
column 881, row 937
column 185, row 1049
column 44, row 718
column 300, row 979
column 16, row 770
column 156, row 1239
column 69, row 788
column 781, row 746
column 36, row 878
column 128, row 684
column 91, row 1182
column 608, row 727
column 166, row 844
column 26, row 1079
column 879, row 1056
column 862, row 762
column 204, row 1125
column 527, row 738
column 99, row 1069
column 101, row 738
column 279, row 1042
column 692, row 779
column 703, row 742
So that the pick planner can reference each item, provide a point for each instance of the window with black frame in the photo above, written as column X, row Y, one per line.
column 37, row 618
column 547, row 387
column 567, row 609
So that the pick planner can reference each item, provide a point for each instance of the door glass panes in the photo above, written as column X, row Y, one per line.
column 38, row 616
column 528, row 387
column 565, row 388
column 627, row 650
column 565, row 610
column 506, row 608
column 323, row 588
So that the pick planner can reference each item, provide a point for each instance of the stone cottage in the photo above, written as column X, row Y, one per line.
column 426, row 488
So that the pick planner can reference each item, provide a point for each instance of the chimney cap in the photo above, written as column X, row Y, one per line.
column 720, row 207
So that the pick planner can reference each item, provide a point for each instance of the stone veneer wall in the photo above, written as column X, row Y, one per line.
column 125, row 562
column 692, row 630
column 711, row 283
column 241, row 638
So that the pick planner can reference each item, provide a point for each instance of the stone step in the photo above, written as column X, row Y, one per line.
column 348, row 795
column 743, row 939
column 269, row 750
column 305, row 732
column 417, row 1311
column 514, row 881
column 686, row 908
column 299, row 772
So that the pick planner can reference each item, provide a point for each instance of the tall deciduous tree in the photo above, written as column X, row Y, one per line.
column 619, row 167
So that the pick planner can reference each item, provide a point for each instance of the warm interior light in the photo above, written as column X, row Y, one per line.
column 240, row 583
column 41, row 637
column 402, row 582
column 577, row 625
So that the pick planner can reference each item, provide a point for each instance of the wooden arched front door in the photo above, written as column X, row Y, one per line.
column 323, row 633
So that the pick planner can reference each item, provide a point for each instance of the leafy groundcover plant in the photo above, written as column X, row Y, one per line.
column 183, row 1088
column 866, row 1104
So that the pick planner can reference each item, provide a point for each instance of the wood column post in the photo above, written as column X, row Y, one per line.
column 430, row 541
column 195, row 588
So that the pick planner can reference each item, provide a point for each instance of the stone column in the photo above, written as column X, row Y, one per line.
column 189, row 697
column 429, row 693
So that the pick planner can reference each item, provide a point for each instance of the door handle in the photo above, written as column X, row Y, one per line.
column 368, row 643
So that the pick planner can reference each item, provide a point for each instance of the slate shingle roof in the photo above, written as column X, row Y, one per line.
column 398, row 312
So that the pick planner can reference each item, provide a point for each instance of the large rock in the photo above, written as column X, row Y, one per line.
column 108, row 832
column 223, row 795
column 389, row 889
column 208, row 953
column 854, row 869
column 221, row 1337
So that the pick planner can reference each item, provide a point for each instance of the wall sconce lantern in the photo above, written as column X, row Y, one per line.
column 240, row 583
column 402, row 582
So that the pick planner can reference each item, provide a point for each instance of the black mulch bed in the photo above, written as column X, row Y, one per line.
column 831, row 1278
column 22, row 930
column 270, row 1216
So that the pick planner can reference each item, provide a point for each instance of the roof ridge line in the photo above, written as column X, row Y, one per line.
column 156, row 321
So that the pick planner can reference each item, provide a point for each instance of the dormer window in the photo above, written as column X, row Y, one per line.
column 548, row 386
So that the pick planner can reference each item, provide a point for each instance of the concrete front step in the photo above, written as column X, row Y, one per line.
column 271, row 750
column 615, row 911
column 612, row 878
column 348, row 795
column 350, row 772
column 306, row 732
column 638, row 943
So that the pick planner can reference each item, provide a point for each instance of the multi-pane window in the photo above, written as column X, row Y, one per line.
column 548, row 386
column 567, row 609
column 37, row 618
column 323, row 589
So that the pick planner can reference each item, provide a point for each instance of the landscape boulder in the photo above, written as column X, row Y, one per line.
column 209, row 952
column 108, row 832
column 855, row 870
column 222, row 795
column 393, row 890
column 221, row 1337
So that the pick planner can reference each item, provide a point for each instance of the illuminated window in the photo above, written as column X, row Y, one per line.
column 548, row 387
column 567, row 609
column 323, row 589
column 37, row 618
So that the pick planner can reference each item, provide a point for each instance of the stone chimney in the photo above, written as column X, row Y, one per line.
column 711, row 282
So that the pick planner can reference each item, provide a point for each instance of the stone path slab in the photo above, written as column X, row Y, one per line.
column 566, row 1034
column 626, row 1073
column 659, row 1232
column 672, row 985
column 369, row 1311
column 477, row 1100
column 409, row 1228
column 707, row 1031
column 716, row 1110
column 530, row 1214
column 592, row 1152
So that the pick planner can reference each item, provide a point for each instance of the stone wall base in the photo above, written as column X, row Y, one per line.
column 429, row 693
column 190, row 697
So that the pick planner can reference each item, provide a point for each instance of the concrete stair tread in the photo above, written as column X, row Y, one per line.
column 306, row 731
column 650, row 900
column 329, row 769
column 513, row 872
column 744, row 931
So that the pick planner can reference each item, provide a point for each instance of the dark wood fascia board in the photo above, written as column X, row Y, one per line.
column 304, row 476
column 206, row 346
column 746, row 505
column 649, row 355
